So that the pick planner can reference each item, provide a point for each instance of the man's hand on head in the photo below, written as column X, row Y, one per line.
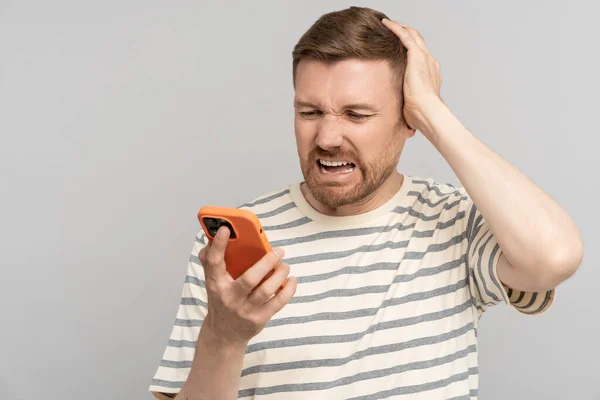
column 422, row 78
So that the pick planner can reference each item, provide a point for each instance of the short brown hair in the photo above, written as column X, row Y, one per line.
column 356, row 32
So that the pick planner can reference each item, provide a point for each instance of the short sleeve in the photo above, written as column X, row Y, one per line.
column 483, row 254
column 177, row 358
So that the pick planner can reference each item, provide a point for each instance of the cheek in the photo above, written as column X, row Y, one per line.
column 372, row 143
column 305, row 132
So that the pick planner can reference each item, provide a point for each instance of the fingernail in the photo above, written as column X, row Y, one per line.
column 278, row 251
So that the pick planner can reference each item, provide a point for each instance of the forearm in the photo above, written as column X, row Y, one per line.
column 215, row 371
column 533, row 230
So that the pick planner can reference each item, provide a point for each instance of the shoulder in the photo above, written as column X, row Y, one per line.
column 435, row 201
column 430, row 189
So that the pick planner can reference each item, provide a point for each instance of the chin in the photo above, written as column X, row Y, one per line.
column 334, row 196
column 344, row 187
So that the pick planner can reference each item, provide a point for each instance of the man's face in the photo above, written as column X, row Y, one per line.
column 348, row 129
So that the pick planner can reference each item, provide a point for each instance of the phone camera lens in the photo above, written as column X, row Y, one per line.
column 213, row 225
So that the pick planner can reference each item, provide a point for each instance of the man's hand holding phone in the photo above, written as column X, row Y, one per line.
column 236, row 312
column 238, row 308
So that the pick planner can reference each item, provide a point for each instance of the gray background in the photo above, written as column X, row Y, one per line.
column 120, row 119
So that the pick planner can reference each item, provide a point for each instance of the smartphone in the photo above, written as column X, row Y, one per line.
column 247, row 240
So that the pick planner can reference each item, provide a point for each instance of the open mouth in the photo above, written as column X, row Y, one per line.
column 336, row 167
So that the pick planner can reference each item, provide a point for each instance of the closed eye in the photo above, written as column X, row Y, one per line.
column 356, row 116
column 310, row 114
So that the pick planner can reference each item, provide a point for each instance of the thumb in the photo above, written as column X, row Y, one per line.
column 221, row 239
column 215, row 253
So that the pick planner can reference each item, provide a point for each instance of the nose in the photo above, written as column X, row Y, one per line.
column 329, row 133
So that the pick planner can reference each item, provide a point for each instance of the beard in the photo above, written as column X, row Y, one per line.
column 333, row 194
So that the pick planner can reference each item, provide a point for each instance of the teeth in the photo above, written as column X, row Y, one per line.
column 334, row 163
column 323, row 170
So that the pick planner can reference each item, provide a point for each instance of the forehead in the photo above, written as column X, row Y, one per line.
column 352, row 80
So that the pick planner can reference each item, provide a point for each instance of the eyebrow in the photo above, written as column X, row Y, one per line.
column 353, row 106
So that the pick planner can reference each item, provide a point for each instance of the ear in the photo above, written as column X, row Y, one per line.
column 406, row 132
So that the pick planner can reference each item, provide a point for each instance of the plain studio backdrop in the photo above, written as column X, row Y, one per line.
column 120, row 119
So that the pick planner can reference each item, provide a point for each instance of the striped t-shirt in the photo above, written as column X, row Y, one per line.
column 387, row 304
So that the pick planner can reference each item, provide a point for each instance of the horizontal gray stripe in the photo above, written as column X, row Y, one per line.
column 175, row 364
column 401, row 322
column 288, row 225
column 345, row 253
column 168, row 384
column 188, row 322
column 463, row 376
column 266, row 199
column 445, row 224
column 339, row 293
column 424, row 341
column 463, row 397
column 354, row 270
column 414, row 213
column 399, row 210
column 306, row 220
column 360, row 291
column 194, row 259
column 339, row 361
column 382, row 266
column 394, row 301
column 181, row 343
column 195, row 281
column 345, row 233
column 428, row 202
column 332, row 316
column 375, row 350
column 364, row 269
column 375, row 248
column 367, row 289
column 192, row 301
column 434, row 247
column 276, row 211
column 436, row 188
column 430, row 271
column 416, row 365
column 368, row 231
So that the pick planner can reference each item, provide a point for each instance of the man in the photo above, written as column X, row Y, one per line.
column 391, row 271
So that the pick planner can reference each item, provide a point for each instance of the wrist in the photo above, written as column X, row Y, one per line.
column 434, row 111
column 212, row 338
column 216, row 366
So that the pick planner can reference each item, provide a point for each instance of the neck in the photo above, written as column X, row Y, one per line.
column 375, row 200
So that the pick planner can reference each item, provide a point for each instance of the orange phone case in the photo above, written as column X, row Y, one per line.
column 250, row 243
